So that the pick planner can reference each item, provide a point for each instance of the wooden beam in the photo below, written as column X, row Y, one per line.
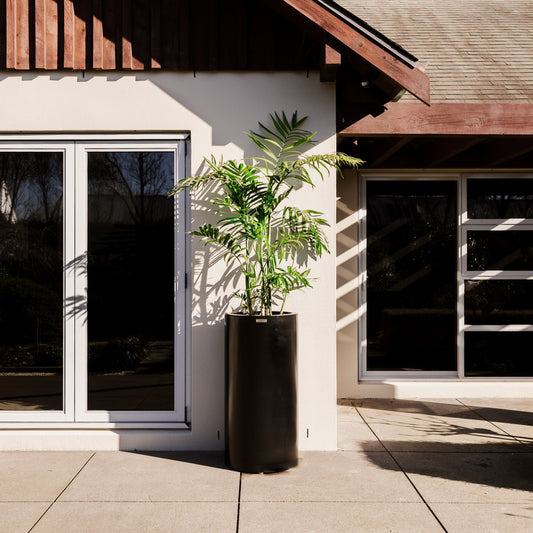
column 329, row 28
column 329, row 64
column 402, row 118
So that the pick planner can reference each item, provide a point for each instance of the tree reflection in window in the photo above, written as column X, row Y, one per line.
column 31, row 288
column 130, row 281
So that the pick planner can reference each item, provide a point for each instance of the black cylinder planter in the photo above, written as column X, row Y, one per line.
column 261, row 418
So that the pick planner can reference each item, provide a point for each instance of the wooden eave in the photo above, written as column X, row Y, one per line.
column 337, row 32
column 460, row 136
column 210, row 35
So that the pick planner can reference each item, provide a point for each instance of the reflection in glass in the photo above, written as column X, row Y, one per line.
column 31, row 281
column 499, row 353
column 499, row 302
column 500, row 198
column 130, row 281
column 411, row 263
column 500, row 250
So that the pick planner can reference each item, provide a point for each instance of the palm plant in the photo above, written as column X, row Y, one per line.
column 256, row 228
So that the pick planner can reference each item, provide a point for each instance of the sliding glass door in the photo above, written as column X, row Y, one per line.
column 93, row 302
column 31, row 281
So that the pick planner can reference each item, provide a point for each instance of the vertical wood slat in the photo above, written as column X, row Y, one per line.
column 155, row 34
column 198, row 51
column 149, row 34
column 97, row 35
column 46, row 34
column 127, row 36
column 68, row 34
column 141, row 34
column 81, row 30
column 111, row 32
column 184, row 35
column 52, row 33
column 213, row 24
column 10, row 33
column 170, row 33
column 22, row 60
column 17, row 35
column 40, row 34
column 3, row 36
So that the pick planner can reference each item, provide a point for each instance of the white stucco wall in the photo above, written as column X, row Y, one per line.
column 217, row 109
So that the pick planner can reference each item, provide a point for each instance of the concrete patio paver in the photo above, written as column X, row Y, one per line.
column 431, row 426
column 19, row 517
column 512, row 415
column 435, row 465
column 485, row 518
column 470, row 477
column 333, row 477
column 139, row 517
column 162, row 477
column 339, row 517
column 37, row 476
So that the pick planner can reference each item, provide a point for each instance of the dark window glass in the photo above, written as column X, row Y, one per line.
column 499, row 353
column 500, row 198
column 31, row 281
column 500, row 250
column 131, row 281
column 499, row 302
column 411, row 263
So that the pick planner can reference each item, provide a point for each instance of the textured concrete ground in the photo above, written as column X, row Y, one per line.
column 441, row 465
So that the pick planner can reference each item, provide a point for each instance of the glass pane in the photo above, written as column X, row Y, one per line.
column 499, row 302
column 499, row 353
column 31, row 281
column 500, row 250
column 131, row 281
column 411, row 262
column 500, row 198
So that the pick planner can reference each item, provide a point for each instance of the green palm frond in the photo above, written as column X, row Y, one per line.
column 255, row 226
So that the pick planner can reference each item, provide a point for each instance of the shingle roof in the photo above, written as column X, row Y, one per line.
column 472, row 50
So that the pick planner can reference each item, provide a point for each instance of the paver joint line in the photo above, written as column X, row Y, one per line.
column 239, row 504
column 403, row 471
column 490, row 422
column 59, row 495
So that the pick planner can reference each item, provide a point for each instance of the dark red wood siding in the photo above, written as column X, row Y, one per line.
column 151, row 34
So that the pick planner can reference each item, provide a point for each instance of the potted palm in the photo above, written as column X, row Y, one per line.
column 271, row 242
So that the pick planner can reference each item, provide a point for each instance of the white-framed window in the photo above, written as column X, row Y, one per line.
column 446, row 269
column 93, row 300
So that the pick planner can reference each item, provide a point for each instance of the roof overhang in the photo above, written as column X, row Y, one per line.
column 411, row 135
column 351, row 37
